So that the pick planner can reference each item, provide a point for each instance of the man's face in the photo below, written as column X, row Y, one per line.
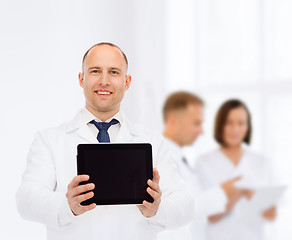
column 189, row 122
column 104, row 79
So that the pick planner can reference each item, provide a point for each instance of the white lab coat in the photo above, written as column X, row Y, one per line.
column 211, row 201
column 215, row 168
column 51, row 165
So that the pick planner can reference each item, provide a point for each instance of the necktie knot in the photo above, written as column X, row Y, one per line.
column 104, row 125
column 103, row 135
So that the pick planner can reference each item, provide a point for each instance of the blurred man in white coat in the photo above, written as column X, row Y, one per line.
column 50, row 192
column 183, row 117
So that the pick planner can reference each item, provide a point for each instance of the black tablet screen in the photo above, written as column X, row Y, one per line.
column 119, row 172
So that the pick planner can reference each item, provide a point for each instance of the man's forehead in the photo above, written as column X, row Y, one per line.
column 105, row 53
column 104, row 47
column 192, row 110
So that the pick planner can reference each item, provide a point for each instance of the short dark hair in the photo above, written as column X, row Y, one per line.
column 108, row 44
column 221, row 118
column 180, row 100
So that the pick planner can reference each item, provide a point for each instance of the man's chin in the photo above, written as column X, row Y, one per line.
column 189, row 143
column 193, row 141
column 105, row 109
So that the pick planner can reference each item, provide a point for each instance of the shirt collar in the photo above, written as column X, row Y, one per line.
column 175, row 148
column 178, row 154
column 87, row 116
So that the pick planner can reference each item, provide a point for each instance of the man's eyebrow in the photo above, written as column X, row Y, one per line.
column 111, row 68
column 115, row 68
column 94, row 67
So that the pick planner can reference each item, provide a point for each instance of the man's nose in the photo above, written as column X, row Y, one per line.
column 104, row 79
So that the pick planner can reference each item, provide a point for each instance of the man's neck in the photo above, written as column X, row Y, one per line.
column 169, row 134
column 102, row 116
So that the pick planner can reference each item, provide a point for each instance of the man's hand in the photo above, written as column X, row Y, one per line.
column 270, row 214
column 149, row 209
column 75, row 194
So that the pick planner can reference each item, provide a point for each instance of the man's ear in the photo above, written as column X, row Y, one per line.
column 128, row 81
column 81, row 78
column 170, row 118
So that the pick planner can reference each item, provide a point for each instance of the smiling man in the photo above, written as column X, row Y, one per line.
column 50, row 192
column 105, row 70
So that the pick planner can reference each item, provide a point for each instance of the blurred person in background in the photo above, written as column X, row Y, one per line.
column 232, row 129
column 183, row 118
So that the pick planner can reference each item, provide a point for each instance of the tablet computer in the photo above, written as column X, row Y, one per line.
column 119, row 171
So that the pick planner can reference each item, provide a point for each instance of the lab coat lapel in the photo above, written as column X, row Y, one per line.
column 84, row 132
column 124, row 135
column 81, row 128
column 127, row 132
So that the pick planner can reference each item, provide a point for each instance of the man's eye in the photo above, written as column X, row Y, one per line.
column 114, row 72
column 94, row 71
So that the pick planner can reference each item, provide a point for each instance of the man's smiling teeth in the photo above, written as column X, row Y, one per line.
column 103, row 92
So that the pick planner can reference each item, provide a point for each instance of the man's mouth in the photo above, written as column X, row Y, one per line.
column 103, row 92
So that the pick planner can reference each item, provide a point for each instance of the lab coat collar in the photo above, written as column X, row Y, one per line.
column 173, row 144
column 177, row 150
column 126, row 133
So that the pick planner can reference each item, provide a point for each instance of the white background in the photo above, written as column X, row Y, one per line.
column 218, row 49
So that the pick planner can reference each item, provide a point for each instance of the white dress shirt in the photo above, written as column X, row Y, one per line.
column 213, row 169
column 113, row 129
column 211, row 201
column 51, row 165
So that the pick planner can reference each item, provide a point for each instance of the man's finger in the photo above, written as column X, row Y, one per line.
column 148, row 205
column 76, row 180
column 153, row 185
column 155, row 195
column 156, row 175
column 141, row 208
column 84, row 209
column 81, row 189
column 83, row 197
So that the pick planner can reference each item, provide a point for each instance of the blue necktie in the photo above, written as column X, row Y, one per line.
column 102, row 135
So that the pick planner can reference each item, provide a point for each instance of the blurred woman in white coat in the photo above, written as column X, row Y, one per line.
column 183, row 118
column 232, row 129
